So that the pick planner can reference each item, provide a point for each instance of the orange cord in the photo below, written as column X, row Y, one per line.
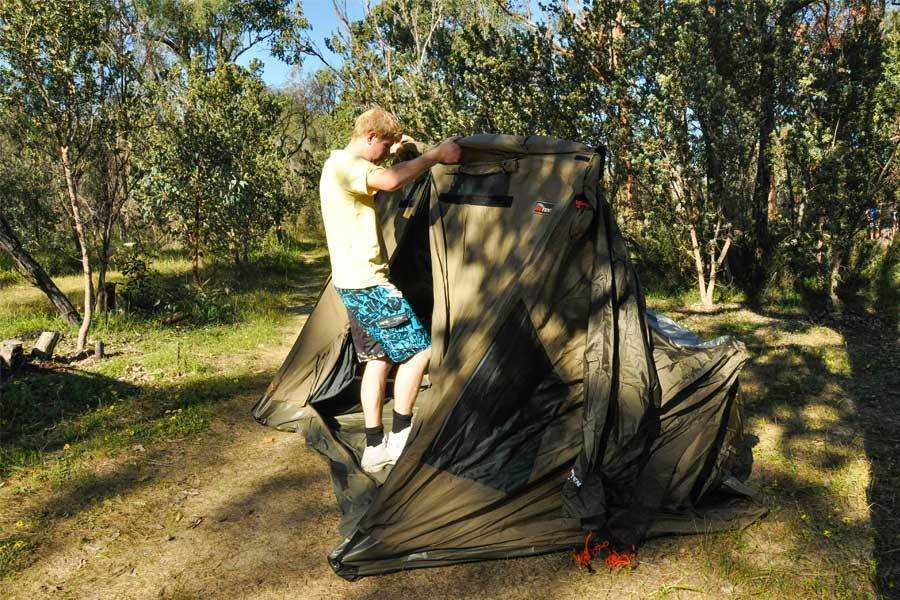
column 619, row 560
column 613, row 560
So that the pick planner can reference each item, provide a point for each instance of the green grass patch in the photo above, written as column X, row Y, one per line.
column 161, row 381
column 14, row 553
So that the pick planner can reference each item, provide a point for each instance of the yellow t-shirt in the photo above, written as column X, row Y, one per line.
column 348, row 210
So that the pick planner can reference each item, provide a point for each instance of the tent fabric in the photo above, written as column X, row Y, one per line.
column 557, row 402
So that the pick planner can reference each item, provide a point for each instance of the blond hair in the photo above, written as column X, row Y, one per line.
column 378, row 121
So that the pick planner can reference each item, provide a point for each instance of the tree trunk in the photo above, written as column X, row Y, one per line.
column 102, row 288
column 763, row 183
column 834, row 279
column 772, row 202
column 195, row 246
column 707, row 287
column 45, row 345
column 82, row 243
column 195, row 262
column 36, row 274
column 698, row 266
column 102, row 302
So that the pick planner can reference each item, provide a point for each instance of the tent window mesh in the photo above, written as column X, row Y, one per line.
column 494, row 433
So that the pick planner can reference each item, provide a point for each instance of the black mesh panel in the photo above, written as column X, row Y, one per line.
column 494, row 432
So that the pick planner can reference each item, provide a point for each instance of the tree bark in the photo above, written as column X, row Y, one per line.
column 195, row 246
column 763, row 183
column 46, row 344
column 82, row 243
column 36, row 274
column 698, row 266
column 195, row 261
column 834, row 279
column 102, row 286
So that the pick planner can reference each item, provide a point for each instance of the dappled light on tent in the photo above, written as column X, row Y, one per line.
column 561, row 414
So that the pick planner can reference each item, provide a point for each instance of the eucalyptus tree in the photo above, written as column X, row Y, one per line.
column 212, row 160
column 450, row 67
column 56, row 67
column 844, row 131
column 212, row 33
column 24, row 214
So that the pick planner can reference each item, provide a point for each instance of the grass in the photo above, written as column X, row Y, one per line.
column 160, row 381
column 143, row 470
column 818, row 397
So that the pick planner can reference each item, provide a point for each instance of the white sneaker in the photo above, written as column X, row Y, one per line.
column 396, row 443
column 375, row 458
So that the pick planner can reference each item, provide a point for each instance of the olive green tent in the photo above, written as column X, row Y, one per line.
column 557, row 403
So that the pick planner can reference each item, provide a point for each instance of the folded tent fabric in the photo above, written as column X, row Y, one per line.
column 558, row 403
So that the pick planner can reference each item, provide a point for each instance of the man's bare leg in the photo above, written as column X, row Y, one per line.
column 407, row 381
column 371, row 389
column 375, row 455
column 406, row 388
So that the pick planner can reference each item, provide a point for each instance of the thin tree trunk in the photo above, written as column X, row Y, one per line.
column 36, row 274
column 698, row 266
column 834, row 280
column 772, row 201
column 714, row 265
column 103, row 268
column 763, row 184
column 82, row 243
column 106, row 212
column 195, row 246
column 195, row 262
column 102, row 302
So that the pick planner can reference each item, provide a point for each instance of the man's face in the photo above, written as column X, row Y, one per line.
column 379, row 147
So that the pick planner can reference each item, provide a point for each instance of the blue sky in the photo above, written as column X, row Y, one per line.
column 323, row 22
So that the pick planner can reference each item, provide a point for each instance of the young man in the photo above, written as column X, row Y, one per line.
column 384, row 328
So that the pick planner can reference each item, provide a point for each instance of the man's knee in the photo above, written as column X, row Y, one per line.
column 379, row 366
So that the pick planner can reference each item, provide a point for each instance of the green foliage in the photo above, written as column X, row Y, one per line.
column 838, row 139
column 211, row 160
column 699, row 104
column 139, row 289
column 455, row 68
column 145, row 292
column 164, row 379
column 172, row 141
column 53, row 66
column 217, row 32
column 314, row 124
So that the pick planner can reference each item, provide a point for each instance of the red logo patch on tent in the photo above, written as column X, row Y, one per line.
column 542, row 208
column 581, row 203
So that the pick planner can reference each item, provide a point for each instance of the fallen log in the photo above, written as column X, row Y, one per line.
column 46, row 344
column 11, row 357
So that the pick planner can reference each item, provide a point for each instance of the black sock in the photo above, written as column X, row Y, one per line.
column 401, row 422
column 374, row 435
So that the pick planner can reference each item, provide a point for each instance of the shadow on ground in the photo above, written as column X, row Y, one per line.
column 830, row 393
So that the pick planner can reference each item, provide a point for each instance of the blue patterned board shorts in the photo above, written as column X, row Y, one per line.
column 382, row 323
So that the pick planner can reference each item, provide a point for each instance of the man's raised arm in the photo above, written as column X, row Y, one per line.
column 388, row 180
